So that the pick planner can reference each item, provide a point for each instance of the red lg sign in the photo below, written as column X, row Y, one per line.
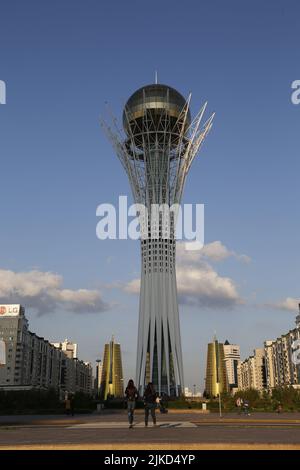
column 2, row 310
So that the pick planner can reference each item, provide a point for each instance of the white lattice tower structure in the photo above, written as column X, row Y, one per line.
column 157, row 150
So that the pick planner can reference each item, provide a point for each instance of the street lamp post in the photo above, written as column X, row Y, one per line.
column 98, row 377
column 220, row 403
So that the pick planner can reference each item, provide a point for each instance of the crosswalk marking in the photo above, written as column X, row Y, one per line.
column 124, row 425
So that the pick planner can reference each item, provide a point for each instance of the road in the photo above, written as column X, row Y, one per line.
column 173, row 431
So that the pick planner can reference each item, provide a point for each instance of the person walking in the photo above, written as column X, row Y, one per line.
column 72, row 404
column 239, row 404
column 246, row 408
column 163, row 403
column 67, row 405
column 131, row 395
column 149, row 398
column 279, row 408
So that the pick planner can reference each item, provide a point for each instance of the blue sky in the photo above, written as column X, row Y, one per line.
column 61, row 61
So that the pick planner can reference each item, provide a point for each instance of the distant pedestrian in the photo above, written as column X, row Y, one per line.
column 67, row 405
column 279, row 408
column 239, row 404
column 246, row 408
column 72, row 404
column 163, row 402
column 131, row 395
column 149, row 398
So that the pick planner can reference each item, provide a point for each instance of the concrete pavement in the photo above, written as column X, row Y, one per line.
column 173, row 431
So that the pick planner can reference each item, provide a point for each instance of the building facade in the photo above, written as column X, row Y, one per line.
column 2, row 353
column 159, row 144
column 283, row 359
column 112, row 382
column 69, row 348
column 187, row 392
column 270, row 365
column 216, row 376
column 252, row 371
column 32, row 361
column 232, row 357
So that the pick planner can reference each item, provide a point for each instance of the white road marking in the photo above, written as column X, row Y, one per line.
column 124, row 425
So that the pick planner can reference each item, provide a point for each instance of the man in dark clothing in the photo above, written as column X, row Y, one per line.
column 72, row 404
column 149, row 398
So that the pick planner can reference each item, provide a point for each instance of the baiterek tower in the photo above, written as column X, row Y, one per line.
column 157, row 147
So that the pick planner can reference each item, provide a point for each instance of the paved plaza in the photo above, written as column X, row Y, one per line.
column 173, row 431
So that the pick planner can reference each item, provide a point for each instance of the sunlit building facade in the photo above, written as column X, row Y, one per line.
column 112, row 382
column 30, row 361
column 232, row 360
column 283, row 359
column 252, row 371
column 216, row 376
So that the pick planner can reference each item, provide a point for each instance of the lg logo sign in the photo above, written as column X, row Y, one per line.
column 2, row 92
column 9, row 309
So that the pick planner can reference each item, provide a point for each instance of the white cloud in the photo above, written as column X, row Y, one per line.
column 133, row 287
column 198, row 283
column 215, row 251
column 204, row 287
column 43, row 292
column 290, row 304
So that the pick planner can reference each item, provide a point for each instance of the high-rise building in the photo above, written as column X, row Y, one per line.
column 29, row 361
column 252, row 371
column 112, row 382
column 270, row 365
column 157, row 150
column 276, row 365
column 232, row 359
column 216, row 376
column 69, row 348
column 281, row 367
column 76, row 375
